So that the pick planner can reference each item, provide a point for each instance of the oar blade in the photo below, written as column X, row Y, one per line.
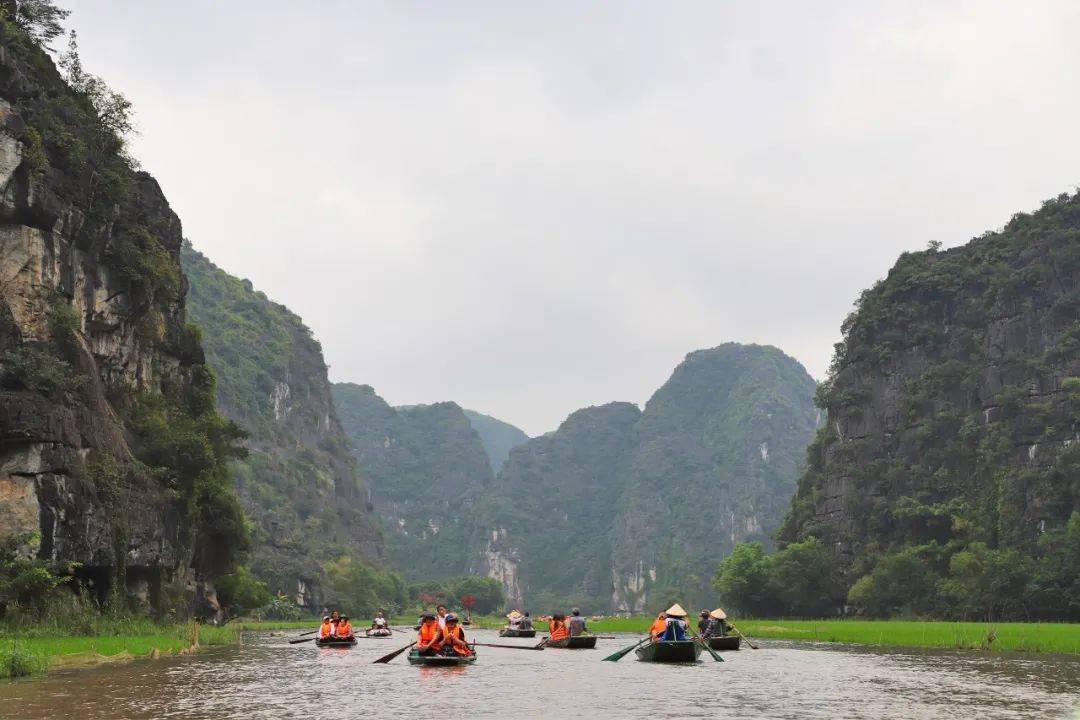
column 387, row 658
column 617, row 656
column 297, row 642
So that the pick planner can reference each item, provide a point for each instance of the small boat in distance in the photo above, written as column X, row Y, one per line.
column 378, row 632
column 415, row 658
column 517, row 632
column 670, row 651
column 336, row 642
column 576, row 642
column 724, row 642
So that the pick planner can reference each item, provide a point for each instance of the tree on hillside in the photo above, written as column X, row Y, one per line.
column 41, row 19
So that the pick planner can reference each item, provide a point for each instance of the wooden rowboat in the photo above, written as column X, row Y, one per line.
column 379, row 634
column 415, row 658
column 516, row 632
column 578, row 642
column 670, row 651
column 336, row 643
column 726, row 642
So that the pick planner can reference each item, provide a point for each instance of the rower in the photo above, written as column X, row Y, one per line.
column 526, row 622
column 704, row 624
column 441, row 610
column 576, row 623
column 428, row 634
column 326, row 629
column 557, row 628
column 658, row 626
column 675, row 623
column 344, row 629
column 452, row 638
column 335, row 618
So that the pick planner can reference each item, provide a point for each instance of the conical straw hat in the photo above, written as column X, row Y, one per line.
column 718, row 613
column 675, row 611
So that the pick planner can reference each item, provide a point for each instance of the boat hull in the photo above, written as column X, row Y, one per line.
column 673, row 651
column 415, row 658
column 728, row 642
column 379, row 635
column 336, row 643
column 511, row 632
column 578, row 642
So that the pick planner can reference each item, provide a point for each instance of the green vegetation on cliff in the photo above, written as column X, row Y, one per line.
column 313, row 530
column 627, row 509
column 947, row 479
column 426, row 467
column 115, row 459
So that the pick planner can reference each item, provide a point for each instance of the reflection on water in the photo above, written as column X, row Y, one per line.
column 268, row 678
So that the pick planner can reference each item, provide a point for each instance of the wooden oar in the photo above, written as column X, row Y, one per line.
column 743, row 637
column 617, row 656
column 705, row 644
column 297, row 642
column 513, row 647
column 307, row 633
column 391, row 656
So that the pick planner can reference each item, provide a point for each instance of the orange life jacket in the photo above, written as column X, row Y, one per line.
column 449, row 633
column 344, row 629
column 658, row 627
column 428, row 631
column 557, row 630
column 326, row 629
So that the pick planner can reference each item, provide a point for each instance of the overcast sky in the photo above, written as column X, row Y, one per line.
column 530, row 207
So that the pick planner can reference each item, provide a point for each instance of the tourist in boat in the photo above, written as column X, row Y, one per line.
column 658, row 627
column 326, row 630
column 675, row 627
column 428, row 635
column 705, row 624
column 451, row 640
column 526, row 622
column 557, row 627
column 344, row 629
column 576, row 624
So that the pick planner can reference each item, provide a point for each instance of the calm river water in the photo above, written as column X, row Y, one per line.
column 268, row 678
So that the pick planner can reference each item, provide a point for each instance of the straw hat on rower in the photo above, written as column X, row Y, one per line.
column 719, row 614
column 675, row 610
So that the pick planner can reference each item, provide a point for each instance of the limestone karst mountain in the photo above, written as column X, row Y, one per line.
column 298, row 484
column 622, row 509
column 954, row 416
column 112, row 455
column 426, row 467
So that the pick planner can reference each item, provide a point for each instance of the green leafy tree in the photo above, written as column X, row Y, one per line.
column 42, row 20
column 742, row 580
column 798, row 578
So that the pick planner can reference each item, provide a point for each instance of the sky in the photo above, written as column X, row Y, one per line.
column 530, row 208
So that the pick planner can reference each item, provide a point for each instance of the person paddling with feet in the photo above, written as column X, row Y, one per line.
column 675, row 627
column 576, row 624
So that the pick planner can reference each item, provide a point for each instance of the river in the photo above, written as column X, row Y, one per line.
column 268, row 678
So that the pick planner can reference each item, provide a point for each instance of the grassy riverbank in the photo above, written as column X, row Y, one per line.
column 35, row 650
column 1022, row 637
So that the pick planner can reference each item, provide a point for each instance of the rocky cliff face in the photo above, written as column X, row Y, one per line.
column 426, row 467
column 950, row 415
column 298, row 484
column 624, row 509
column 498, row 437
column 93, row 349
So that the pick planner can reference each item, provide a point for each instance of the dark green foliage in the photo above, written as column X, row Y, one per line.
column 34, row 368
column 26, row 582
column 482, row 595
column 363, row 589
column 139, row 258
column 240, row 592
column 950, row 458
column 792, row 582
column 42, row 20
